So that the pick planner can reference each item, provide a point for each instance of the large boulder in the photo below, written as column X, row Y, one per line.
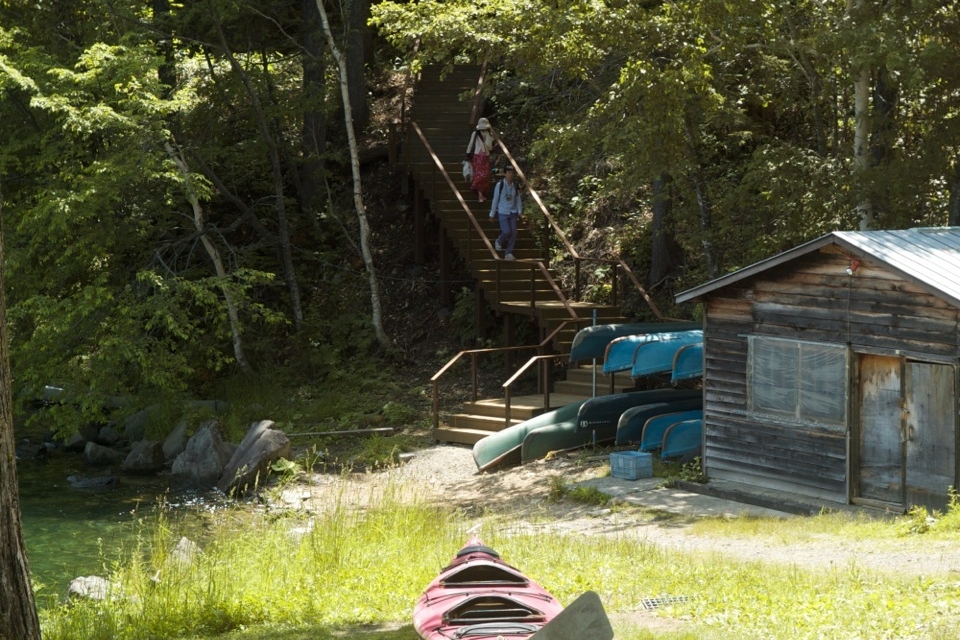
column 145, row 457
column 89, row 588
column 263, row 445
column 205, row 457
column 176, row 441
column 100, row 456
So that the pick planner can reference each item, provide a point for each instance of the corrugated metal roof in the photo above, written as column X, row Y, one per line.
column 928, row 257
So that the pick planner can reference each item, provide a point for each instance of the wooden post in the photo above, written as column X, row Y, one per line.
column 445, row 296
column 419, row 232
column 508, row 338
column 480, row 319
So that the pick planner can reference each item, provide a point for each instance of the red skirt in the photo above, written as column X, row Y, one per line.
column 481, row 174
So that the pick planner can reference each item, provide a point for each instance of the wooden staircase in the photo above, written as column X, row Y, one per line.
column 440, row 122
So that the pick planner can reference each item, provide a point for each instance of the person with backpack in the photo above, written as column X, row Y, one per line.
column 507, row 206
column 478, row 154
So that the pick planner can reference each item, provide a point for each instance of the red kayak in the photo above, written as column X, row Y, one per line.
column 478, row 596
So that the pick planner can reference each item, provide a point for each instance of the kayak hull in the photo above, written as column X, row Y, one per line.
column 478, row 596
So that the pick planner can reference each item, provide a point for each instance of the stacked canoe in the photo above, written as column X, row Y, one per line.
column 643, row 349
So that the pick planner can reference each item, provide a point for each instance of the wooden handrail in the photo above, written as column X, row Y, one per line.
column 544, row 383
column 574, row 254
column 474, row 353
column 535, row 264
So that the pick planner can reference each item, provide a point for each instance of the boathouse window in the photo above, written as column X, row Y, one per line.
column 797, row 381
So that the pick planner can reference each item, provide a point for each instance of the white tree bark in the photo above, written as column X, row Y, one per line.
column 213, row 253
column 377, row 316
column 861, row 128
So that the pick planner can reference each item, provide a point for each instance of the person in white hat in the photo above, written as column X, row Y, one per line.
column 478, row 153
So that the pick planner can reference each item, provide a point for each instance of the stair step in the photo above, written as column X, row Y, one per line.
column 460, row 436
column 490, row 424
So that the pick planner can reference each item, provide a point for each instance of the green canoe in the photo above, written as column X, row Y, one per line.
column 503, row 447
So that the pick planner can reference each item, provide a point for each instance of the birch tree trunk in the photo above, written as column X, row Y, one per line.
column 18, row 609
column 377, row 316
column 214, row 254
column 861, row 128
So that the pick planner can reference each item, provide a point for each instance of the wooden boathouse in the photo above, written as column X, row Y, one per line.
column 831, row 370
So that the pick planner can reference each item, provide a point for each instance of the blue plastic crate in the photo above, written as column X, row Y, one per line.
column 631, row 465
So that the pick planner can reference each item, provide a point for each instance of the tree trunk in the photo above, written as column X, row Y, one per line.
column 661, row 260
column 377, row 317
column 357, row 54
column 199, row 224
column 313, row 136
column 703, row 201
column 886, row 94
column 18, row 609
column 273, row 153
column 861, row 131
column 954, row 219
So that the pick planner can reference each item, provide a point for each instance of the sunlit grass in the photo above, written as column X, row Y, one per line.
column 351, row 572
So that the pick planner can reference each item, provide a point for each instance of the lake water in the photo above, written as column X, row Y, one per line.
column 72, row 532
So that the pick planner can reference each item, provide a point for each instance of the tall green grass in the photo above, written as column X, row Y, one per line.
column 335, row 572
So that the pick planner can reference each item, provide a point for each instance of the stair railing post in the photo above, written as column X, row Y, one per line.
column 576, row 280
column 436, row 404
column 545, row 381
column 533, row 289
column 506, row 408
column 614, row 285
column 473, row 377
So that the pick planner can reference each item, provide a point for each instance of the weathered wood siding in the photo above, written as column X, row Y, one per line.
column 812, row 298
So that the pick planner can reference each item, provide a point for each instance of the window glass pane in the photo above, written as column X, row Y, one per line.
column 773, row 383
column 823, row 377
column 797, row 381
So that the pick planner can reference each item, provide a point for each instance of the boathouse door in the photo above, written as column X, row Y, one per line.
column 905, row 452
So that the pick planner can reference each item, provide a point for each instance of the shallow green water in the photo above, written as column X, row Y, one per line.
column 72, row 532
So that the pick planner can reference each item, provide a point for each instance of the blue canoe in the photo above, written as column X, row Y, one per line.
column 632, row 421
column 620, row 352
column 657, row 356
column 683, row 440
column 688, row 363
column 656, row 427
column 503, row 447
column 591, row 342
column 600, row 416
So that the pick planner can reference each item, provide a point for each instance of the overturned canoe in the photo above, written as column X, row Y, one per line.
column 683, row 440
column 478, row 596
column 560, row 436
column 621, row 352
column 591, row 342
column 503, row 447
column 600, row 415
column 632, row 422
column 656, row 427
column 688, row 363
column 657, row 356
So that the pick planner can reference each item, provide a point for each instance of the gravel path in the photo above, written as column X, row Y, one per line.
column 522, row 494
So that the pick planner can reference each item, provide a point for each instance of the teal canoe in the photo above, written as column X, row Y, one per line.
column 683, row 440
column 591, row 342
column 657, row 356
column 632, row 422
column 601, row 415
column 503, row 447
column 688, row 363
column 620, row 353
column 656, row 427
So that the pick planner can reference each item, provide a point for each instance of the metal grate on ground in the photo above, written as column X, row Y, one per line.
column 662, row 601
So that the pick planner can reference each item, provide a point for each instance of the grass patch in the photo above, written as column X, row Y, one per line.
column 356, row 572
